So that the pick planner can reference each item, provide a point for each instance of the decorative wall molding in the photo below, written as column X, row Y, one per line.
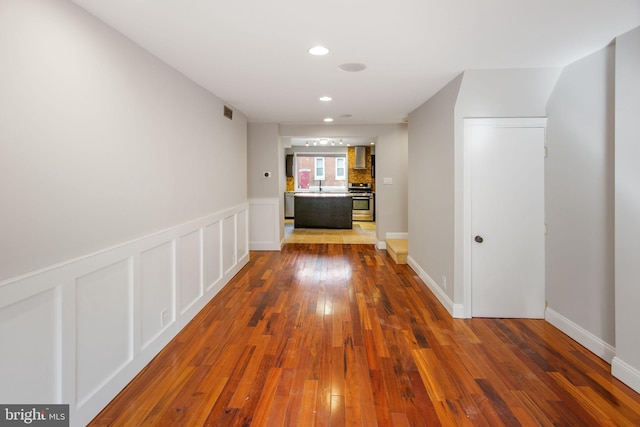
column 264, row 224
column 437, row 291
column 79, row 331
column 594, row 344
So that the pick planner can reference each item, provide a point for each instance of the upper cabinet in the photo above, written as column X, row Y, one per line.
column 289, row 165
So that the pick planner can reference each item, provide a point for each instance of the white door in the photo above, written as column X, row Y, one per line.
column 507, row 221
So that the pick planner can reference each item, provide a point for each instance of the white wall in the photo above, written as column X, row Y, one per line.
column 436, row 140
column 124, row 205
column 506, row 92
column 263, row 143
column 431, row 189
column 626, row 364
column 492, row 93
column 265, row 154
column 579, row 173
column 101, row 142
column 391, row 162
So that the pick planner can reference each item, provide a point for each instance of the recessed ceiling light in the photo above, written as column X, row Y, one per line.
column 325, row 98
column 352, row 67
column 318, row 50
column 323, row 142
column 328, row 119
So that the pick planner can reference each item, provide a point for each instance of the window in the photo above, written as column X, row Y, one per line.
column 319, row 170
column 341, row 170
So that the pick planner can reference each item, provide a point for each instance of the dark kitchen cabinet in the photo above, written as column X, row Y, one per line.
column 318, row 211
column 289, row 165
column 373, row 166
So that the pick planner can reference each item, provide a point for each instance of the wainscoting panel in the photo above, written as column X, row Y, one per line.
column 104, row 326
column 264, row 224
column 31, row 341
column 242, row 234
column 157, row 298
column 189, row 270
column 79, row 331
column 212, row 255
column 228, row 243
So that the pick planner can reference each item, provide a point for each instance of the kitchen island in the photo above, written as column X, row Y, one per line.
column 323, row 210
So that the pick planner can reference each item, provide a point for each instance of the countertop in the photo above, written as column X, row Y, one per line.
column 327, row 194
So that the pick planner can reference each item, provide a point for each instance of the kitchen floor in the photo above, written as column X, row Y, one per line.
column 363, row 232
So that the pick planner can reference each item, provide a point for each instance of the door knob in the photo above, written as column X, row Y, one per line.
column 479, row 239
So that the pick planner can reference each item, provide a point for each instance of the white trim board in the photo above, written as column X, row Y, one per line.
column 626, row 373
column 431, row 284
column 585, row 338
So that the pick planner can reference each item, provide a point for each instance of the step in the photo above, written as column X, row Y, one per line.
column 398, row 249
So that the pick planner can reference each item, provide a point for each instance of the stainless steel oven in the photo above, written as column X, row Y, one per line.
column 363, row 201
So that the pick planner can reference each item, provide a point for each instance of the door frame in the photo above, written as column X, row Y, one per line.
column 516, row 122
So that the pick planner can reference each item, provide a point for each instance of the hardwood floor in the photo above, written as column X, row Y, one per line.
column 327, row 334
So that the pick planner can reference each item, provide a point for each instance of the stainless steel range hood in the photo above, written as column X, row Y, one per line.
column 361, row 157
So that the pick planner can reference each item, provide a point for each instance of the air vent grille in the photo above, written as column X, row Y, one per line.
column 228, row 113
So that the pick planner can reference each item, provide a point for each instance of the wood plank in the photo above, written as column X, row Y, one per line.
column 328, row 334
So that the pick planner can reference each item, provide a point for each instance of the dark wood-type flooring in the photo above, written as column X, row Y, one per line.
column 327, row 334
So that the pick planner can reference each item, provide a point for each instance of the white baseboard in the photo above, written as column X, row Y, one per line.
column 626, row 373
column 458, row 311
column 431, row 284
column 594, row 344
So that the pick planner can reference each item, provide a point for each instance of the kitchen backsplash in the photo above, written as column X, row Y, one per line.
column 360, row 175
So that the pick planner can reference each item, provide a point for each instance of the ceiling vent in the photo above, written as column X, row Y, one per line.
column 228, row 113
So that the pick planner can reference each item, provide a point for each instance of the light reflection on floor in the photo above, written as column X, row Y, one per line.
column 363, row 232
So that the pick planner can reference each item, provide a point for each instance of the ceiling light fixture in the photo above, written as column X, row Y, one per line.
column 325, row 98
column 318, row 50
column 328, row 119
column 323, row 142
column 352, row 67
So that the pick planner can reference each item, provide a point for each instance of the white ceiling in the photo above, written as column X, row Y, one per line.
column 253, row 53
